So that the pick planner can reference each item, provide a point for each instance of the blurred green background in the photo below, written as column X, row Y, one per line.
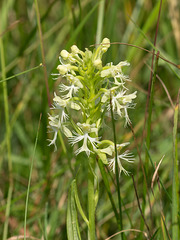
column 64, row 23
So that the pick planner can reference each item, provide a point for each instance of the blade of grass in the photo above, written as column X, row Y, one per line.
column 73, row 232
column 100, row 21
column 147, row 25
column 29, row 181
column 142, row 214
column 21, row 73
column 46, row 222
column 74, row 186
column 80, row 26
column 150, row 100
column 175, row 180
column 42, row 51
column 8, row 139
column 107, row 186
column 162, row 185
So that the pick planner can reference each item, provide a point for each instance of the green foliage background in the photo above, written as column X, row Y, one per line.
column 64, row 23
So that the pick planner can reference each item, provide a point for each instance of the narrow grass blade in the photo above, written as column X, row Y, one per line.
column 74, row 187
column 150, row 111
column 175, row 183
column 7, row 119
column 29, row 181
column 21, row 73
column 46, row 222
column 163, row 228
column 107, row 186
column 80, row 26
column 100, row 21
column 149, row 105
column 162, row 185
column 73, row 232
column 42, row 51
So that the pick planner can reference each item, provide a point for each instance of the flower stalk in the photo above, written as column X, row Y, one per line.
column 91, row 199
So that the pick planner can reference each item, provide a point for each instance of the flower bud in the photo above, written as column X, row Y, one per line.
column 97, row 63
column 62, row 69
column 74, row 49
column 106, row 45
column 64, row 54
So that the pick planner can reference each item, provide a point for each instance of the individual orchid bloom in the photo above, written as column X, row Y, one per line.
column 65, row 102
column 126, row 156
column 71, row 90
column 62, row 104
column 56, row 125
column 86, row 130
column 66, row 64
column 123, row 78
column 119, row 102
column 74, row 80
column 113, row 70
column 63, row 69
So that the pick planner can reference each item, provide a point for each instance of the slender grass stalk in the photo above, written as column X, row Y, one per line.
column 46, row 222
column 106, row 183
column 175, row 180
column 148, row 137
column 29, row 181
column 21, row 73
column 62, row 142
column 42, row 51
column 80, row 26
column 8, row 142
column 117, row 172
column 100, row 21
column 91, row 199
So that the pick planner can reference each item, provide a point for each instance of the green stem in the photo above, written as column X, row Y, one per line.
column 8, row 142
column 175, row 182
column 107, row 186
column 29, row 181
column 42, row 50
column 91, row 199
column 100, row 21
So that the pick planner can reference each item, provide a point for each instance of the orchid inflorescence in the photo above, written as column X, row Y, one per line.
column 91, row 90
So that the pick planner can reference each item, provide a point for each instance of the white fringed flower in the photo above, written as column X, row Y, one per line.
column 86, row 129
column 120, row 102
column 71, row 90
column 55, row 124
column 126, row 156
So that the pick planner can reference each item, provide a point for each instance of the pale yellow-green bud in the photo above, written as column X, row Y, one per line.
column 97, row 63
column 62, row 69
column 64, row 54
column 74, row 49
column 106, row 45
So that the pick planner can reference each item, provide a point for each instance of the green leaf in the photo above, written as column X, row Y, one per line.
column 73, row 232
column 74, row 186
column 102, row 157
column 175, row 184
